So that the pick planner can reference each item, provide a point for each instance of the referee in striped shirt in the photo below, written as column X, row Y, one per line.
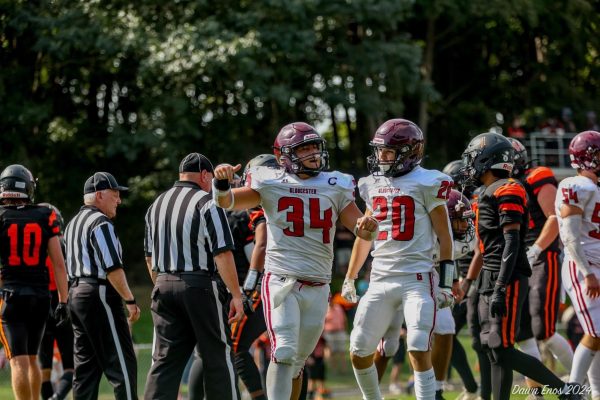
column 186, row 236
column 98, row 288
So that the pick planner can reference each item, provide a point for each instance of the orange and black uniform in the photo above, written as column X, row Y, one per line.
column 539, row 319
column 63, row 335
column 503, row 203
column 25, row 303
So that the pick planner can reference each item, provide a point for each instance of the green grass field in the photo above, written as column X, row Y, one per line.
column 342, row 385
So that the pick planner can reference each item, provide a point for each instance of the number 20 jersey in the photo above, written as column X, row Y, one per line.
column 301, row 216
column 582, row 193
column 406, row 238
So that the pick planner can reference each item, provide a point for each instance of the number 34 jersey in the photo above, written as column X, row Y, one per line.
column 301, row 216
column 24, row 235
column 406, row 238
column 582, row 193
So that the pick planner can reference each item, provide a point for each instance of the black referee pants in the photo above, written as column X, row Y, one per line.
column 187, row 313
column 102, row 342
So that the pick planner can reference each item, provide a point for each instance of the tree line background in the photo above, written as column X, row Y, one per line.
column 131, row 87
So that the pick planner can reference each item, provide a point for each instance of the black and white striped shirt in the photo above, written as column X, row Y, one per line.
column 93, row 248
column 184, row 229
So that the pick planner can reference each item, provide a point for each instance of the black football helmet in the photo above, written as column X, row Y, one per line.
column 456, row 170
column 261, row 160
column 292, row 136
column 487, row 151
column 406, row 138
column 59, row 217
column 521, row 159
column 16, row 182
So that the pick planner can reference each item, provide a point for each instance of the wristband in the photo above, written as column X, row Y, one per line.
column 446, row 273
column 222, row 185
column 130, row 302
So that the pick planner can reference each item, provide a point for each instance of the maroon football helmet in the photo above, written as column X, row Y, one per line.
column 459, row 209
column 520, row 158
column 403, row 136
column 292, row 136
column 584, row 151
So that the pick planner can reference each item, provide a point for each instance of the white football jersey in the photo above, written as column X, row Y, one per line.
column 301, row 218
column 581, row 192
column 406, row 238
column 462, row 248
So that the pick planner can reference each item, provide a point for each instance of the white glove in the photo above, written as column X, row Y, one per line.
column 444, row 298
column 533, row 253
column 349, row 291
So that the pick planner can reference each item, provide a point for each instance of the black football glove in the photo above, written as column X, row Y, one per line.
column 498, row 301
column 248, row 304
column 61, row 315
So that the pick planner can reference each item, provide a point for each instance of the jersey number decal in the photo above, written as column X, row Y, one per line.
column 296, row 216
column 569, row 195
column 32, row 240
column 444, row 192
column 403, row 216
column 595, row 219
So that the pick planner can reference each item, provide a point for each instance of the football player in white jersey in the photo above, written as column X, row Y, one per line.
column 410, row 204
column 578, row 209
column 302, row 203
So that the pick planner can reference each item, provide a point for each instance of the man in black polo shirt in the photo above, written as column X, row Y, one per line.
column 186, row 237
column 99, row 287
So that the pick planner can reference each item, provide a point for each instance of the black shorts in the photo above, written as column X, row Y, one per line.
column 63, row 337
column 23, row 314
column 317, row 369
column 544, row 294
column 502, row 332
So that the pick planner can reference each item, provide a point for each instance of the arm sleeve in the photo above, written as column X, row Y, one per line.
column 217, row 229
column 509, row 255
column 107, row 249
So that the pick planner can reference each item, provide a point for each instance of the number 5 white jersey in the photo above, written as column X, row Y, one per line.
column 402, row 205
column 582, row 193
column 301, row 216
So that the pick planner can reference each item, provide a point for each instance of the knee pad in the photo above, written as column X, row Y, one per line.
column 284, row 355
column 418, row 340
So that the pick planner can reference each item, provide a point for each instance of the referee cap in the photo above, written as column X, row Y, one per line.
column 195, row 162
column 101, row 181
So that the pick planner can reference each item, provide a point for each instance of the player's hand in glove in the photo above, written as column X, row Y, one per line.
column 349, row 291
column 498, row 301
column 533, row 253
column 61, row 315
column 248, row 303
column 444, row 297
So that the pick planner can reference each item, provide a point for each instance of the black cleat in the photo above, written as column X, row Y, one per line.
column 439, row 395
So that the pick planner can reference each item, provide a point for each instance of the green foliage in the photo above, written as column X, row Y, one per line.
column 131, row 88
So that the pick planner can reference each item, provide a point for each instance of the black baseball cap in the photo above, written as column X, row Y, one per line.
column 195, row 162
column 100, row 181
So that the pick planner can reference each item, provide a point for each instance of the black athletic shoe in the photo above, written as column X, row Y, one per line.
column 573, row 392
column 439, row 395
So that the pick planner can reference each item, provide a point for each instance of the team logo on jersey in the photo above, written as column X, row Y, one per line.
column 332, row 181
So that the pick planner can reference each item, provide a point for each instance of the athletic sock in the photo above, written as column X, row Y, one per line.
column 530, row 346
column 47, row 390
column 425, row 384
column 368, row 382
column 439, row 385
column 561, row 349
column 582, row 359
column 279, row 380
column 594, row 376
